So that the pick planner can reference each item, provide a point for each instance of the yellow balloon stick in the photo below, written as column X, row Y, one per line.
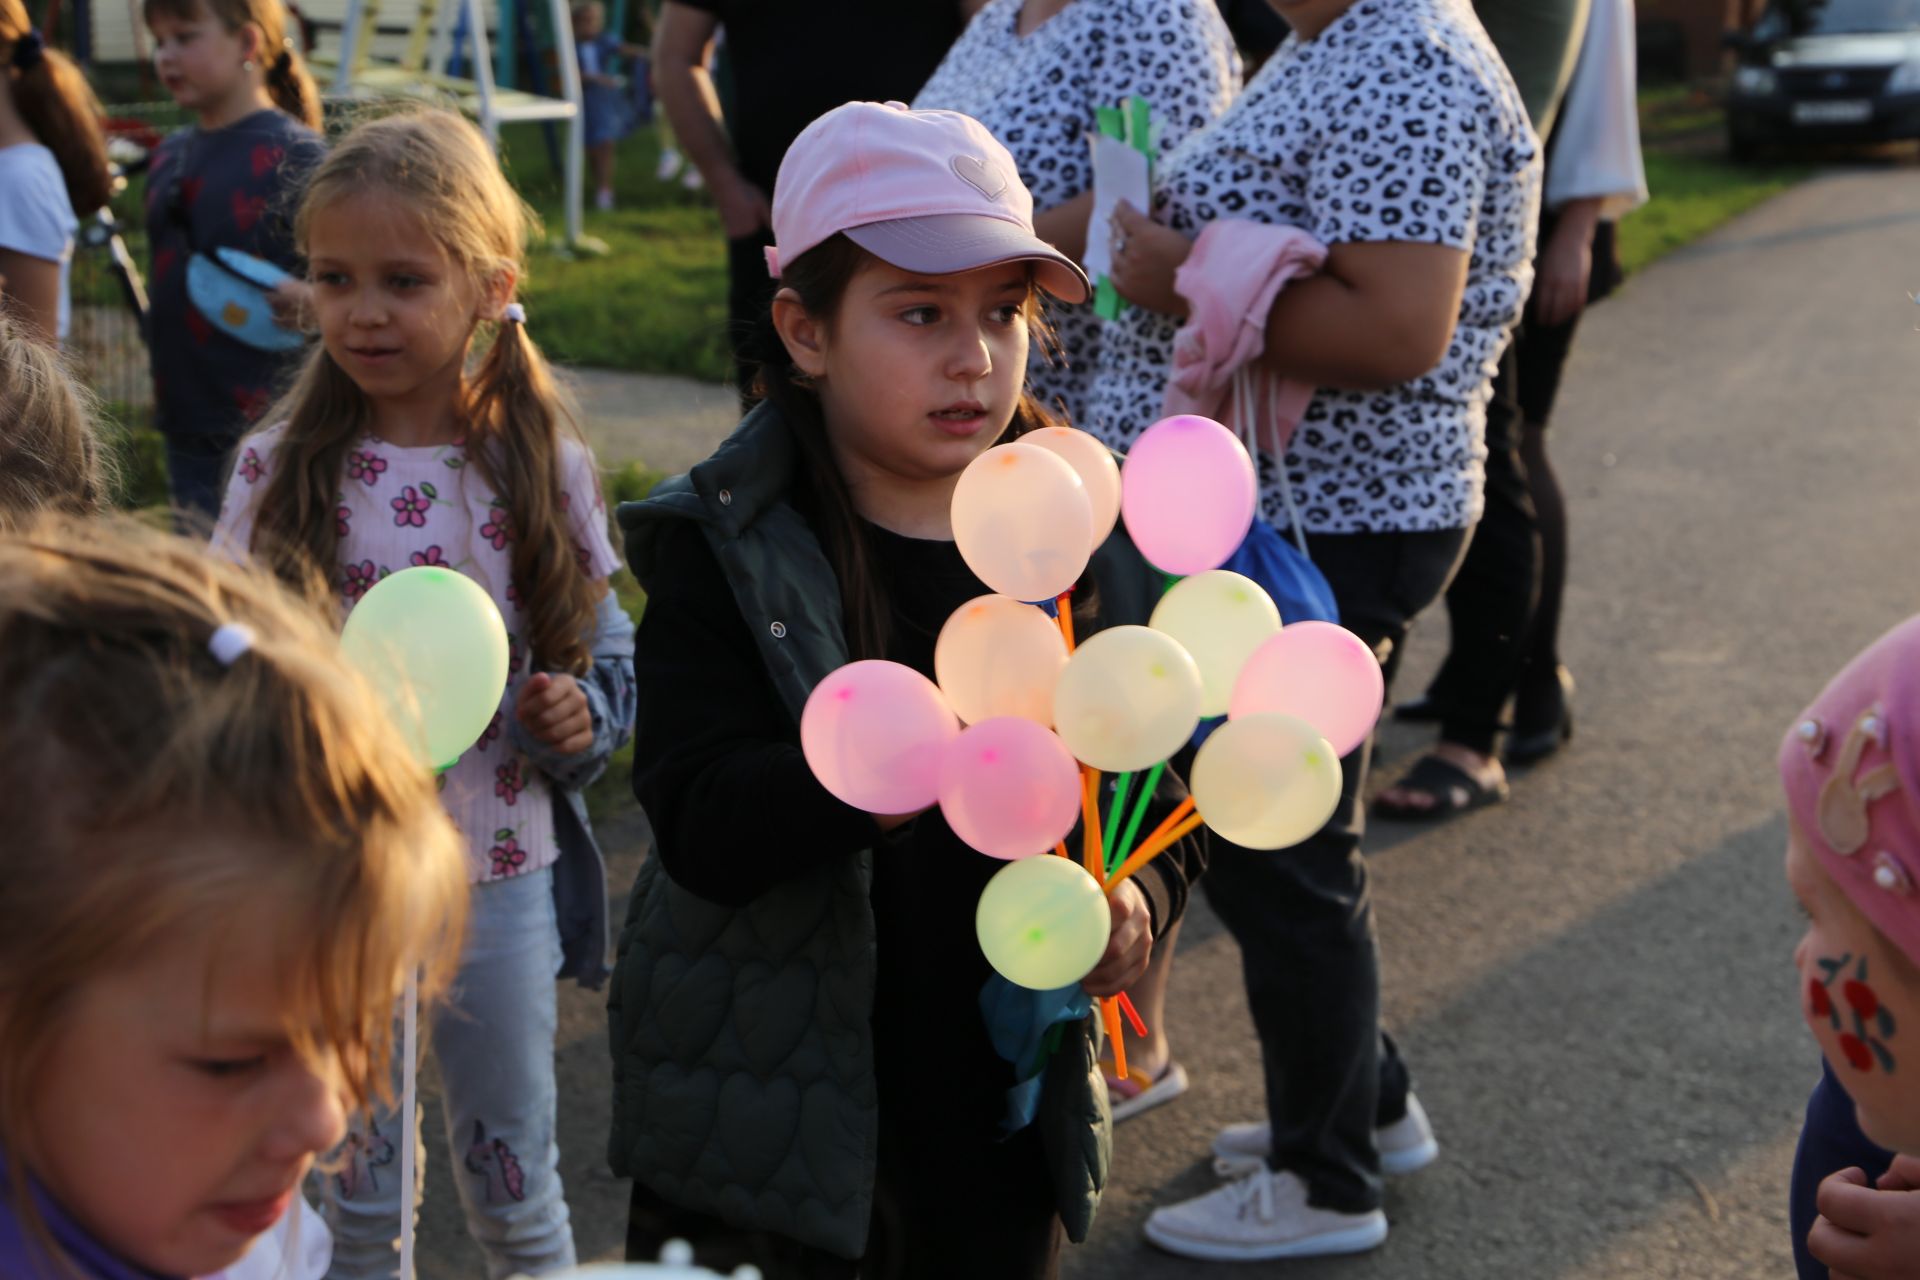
column 1110, row 1015
column 1155, row 845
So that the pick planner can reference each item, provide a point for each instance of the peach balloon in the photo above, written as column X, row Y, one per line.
column 1096, row 467
column 998, row 657
column 1023, row 522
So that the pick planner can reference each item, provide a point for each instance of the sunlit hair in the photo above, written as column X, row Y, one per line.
column 59, row 108
column 51, row 457
column 123, row 738
column 439, row 168
column 289, row 83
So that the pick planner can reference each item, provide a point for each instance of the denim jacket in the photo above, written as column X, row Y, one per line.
column 580, row 875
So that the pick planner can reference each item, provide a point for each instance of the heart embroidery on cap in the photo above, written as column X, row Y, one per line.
column 989, row 182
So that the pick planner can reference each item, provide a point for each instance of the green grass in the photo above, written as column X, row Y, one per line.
column 1695, row 186
column 657, row 302
column 1693, row 195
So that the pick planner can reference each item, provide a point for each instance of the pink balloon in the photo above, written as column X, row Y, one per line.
column 875, row 734
column 1187, row 492
column 1323, row 674
column 1009, row 788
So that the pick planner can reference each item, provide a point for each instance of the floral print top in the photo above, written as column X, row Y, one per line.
column 424, row 506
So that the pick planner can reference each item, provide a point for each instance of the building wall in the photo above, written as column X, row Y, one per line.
column 1696, row 27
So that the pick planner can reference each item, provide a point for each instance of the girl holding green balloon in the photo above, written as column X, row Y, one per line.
column 396, row 451
column 804, row 1074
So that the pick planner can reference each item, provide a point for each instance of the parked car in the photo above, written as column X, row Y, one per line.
column 1826, row 71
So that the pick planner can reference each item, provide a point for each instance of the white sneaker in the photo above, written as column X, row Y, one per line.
column 1262, row 1215
column 603, row 201
column 1406, row 1146
column 669, row 165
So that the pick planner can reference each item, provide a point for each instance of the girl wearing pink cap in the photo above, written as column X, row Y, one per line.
column 1850, row 766
column 805, row 1078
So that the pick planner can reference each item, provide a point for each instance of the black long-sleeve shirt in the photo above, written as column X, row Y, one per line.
column 735, row 808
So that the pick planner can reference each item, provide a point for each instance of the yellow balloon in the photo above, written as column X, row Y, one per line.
column 1022, row 521
column 1096, row 467
column 998, row 657
column 1266, row 781
column 1220, row 618
column 1129, row 698
column 1043, row 922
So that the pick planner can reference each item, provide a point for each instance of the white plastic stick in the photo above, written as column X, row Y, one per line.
column 409, row 1129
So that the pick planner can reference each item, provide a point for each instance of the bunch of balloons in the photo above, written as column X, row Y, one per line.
column 1012, row 740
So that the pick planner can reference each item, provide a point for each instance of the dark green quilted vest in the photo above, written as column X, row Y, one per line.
column 742, row 1046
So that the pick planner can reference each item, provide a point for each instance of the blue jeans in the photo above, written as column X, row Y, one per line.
column 493, row 1041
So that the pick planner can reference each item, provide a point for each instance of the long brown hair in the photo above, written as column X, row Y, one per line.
column 51, row 457
column 289, row 83
column 119, row 726
column 517, row 420
column 58, row 105
column 821, row 276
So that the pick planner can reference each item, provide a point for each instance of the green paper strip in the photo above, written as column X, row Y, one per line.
column 1106, row 299
column 1139, row 125
column 1147, row 790
column 1111, row 121
column 1114, row 814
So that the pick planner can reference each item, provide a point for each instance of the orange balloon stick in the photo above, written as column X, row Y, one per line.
column 1151, row 849
column 1133, row 1015
column 1090, row 820
column 1110, row 1015
column 1063, row 607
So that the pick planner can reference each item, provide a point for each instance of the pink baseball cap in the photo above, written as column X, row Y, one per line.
column 1851, row 769
column 927, row 191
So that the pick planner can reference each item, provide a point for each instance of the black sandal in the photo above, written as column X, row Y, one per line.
column 1452, row 789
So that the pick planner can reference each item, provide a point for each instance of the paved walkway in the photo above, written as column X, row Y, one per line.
column 1592, row 982
column 667, row 423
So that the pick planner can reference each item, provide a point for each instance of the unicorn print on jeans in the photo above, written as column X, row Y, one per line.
column 364, row 1153
column 494, row 1160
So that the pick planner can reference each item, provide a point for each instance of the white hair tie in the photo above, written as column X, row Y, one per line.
column 229, row 641
column 514, row 313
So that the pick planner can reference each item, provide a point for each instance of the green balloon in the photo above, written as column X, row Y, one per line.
column 1043, row 922
column 432, row 642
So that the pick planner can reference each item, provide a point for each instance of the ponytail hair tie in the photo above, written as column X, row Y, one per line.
column 229, row 641
column 29, row 51
column 513, row 313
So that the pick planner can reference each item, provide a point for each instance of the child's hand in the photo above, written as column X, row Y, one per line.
column 292, row 303
column 1864, row 1233
column 554, row 710
column 1129, row 946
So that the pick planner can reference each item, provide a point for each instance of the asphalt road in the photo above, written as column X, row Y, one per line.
column 1592, row 982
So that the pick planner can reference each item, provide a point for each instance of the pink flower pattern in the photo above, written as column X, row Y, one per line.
column 365, row 466
column 508, row 856
column 360, row 579
column 411, row 508
column 491, row 790
column 499, row 527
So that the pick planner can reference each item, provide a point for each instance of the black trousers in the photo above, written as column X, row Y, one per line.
column 1304, row 919
column 1503, row 609
column 949, row 1203
column 750, row 292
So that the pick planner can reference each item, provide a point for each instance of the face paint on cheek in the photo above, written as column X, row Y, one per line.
column 1859, row 1007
